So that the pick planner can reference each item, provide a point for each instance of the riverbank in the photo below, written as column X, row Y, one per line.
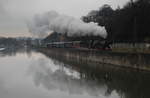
column 131, row 50
column 135, row 61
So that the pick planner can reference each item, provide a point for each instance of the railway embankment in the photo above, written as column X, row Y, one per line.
column 137, row 61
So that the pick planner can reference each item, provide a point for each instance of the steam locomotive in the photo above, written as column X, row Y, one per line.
column 87, row 44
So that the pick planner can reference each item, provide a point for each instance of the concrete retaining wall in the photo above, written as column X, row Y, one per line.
column 128, row 60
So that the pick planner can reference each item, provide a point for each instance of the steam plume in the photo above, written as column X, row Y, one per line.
column 51, row 21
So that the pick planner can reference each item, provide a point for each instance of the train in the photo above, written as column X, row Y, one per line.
column 88, row 44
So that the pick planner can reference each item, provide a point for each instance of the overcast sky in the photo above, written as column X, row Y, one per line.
column 15, row 13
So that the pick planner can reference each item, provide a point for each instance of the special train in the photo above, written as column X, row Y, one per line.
column 88, row 44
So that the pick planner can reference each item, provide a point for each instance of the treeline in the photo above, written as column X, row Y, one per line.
column 128, row 24
column 14, row 42
column 8, row 42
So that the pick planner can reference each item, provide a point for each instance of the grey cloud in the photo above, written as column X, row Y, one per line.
column 15, row 13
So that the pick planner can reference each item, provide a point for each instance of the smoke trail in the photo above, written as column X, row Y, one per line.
column 51, row 21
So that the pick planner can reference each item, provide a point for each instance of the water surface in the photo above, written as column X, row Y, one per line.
column 31, row 74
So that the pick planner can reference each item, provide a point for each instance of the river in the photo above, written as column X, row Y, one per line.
column 30, row 74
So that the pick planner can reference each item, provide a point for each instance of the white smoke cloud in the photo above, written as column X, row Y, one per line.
column 42, row 25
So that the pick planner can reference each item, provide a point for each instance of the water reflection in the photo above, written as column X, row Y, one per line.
column 127, row 83
column 64, row 79
column 30, row 74
column 13, row 51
